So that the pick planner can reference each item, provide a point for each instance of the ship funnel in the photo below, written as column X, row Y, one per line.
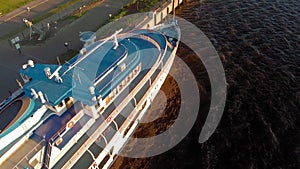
column 41, row 97
column 47, row 72
column 30, row 63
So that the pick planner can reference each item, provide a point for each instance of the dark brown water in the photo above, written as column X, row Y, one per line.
column 259, row 43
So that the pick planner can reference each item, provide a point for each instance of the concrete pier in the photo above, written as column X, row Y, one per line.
column 140, row 20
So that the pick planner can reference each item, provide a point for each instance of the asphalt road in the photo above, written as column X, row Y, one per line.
column 13, row 21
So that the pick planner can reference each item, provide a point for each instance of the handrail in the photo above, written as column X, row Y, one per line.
column 103, row 126
column 135, row 57
column 61, row 130
column 7, row 100
column 55, row 135
column 98, row 79
column 147, row 38
column 47, row 155
column 91, row 51
column 25, row 157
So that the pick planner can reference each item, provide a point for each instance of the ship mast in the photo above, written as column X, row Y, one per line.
column 173, row 8
column 91, row 51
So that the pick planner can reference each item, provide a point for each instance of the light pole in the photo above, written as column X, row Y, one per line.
column 66, row 44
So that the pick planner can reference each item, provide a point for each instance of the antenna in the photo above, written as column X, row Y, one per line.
column 46, row 97
column 79, row 79
column 91, row 51
column 58, row 60
column 40, row 94
column 116, row 39
column 116, row 42
column 19, row 83
column 173, row 6
column 68, row 62
column 55, row 73
column 34, row 94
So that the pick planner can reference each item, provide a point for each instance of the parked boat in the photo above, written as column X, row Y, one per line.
column 96, row 99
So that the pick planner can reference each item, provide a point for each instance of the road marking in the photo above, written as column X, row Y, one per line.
column 23, row 11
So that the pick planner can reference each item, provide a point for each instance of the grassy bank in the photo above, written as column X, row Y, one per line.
column 136, row 6
column 56, row 10
column 67, row 56
column 7, row 6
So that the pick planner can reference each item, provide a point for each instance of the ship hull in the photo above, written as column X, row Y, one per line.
column 99, row 123
column 145, row 105
column 141, row 96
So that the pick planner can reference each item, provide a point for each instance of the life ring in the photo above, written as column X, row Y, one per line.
column 108, row 119
column 70, row 124
column 107, row 99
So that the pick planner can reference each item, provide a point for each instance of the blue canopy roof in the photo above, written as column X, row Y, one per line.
column 81, row 72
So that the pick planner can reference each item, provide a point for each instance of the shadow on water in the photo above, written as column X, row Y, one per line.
column 258, row 42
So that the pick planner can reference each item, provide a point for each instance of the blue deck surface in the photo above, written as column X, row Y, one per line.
column 78, row 79
column 70, row 133
column 54, row 122
column 103, row 61
column 149, row 55
column 114, row 78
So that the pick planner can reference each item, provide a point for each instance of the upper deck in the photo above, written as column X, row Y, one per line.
column 94, row 72
column 100, row 66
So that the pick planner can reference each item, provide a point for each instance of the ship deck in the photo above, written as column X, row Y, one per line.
column 149, row 55
column 13, row 112
column 42, row 135
column 51, row 125
column 8, row 115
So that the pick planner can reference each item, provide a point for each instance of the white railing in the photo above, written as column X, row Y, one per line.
column 26, row 158
column 93, row 50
